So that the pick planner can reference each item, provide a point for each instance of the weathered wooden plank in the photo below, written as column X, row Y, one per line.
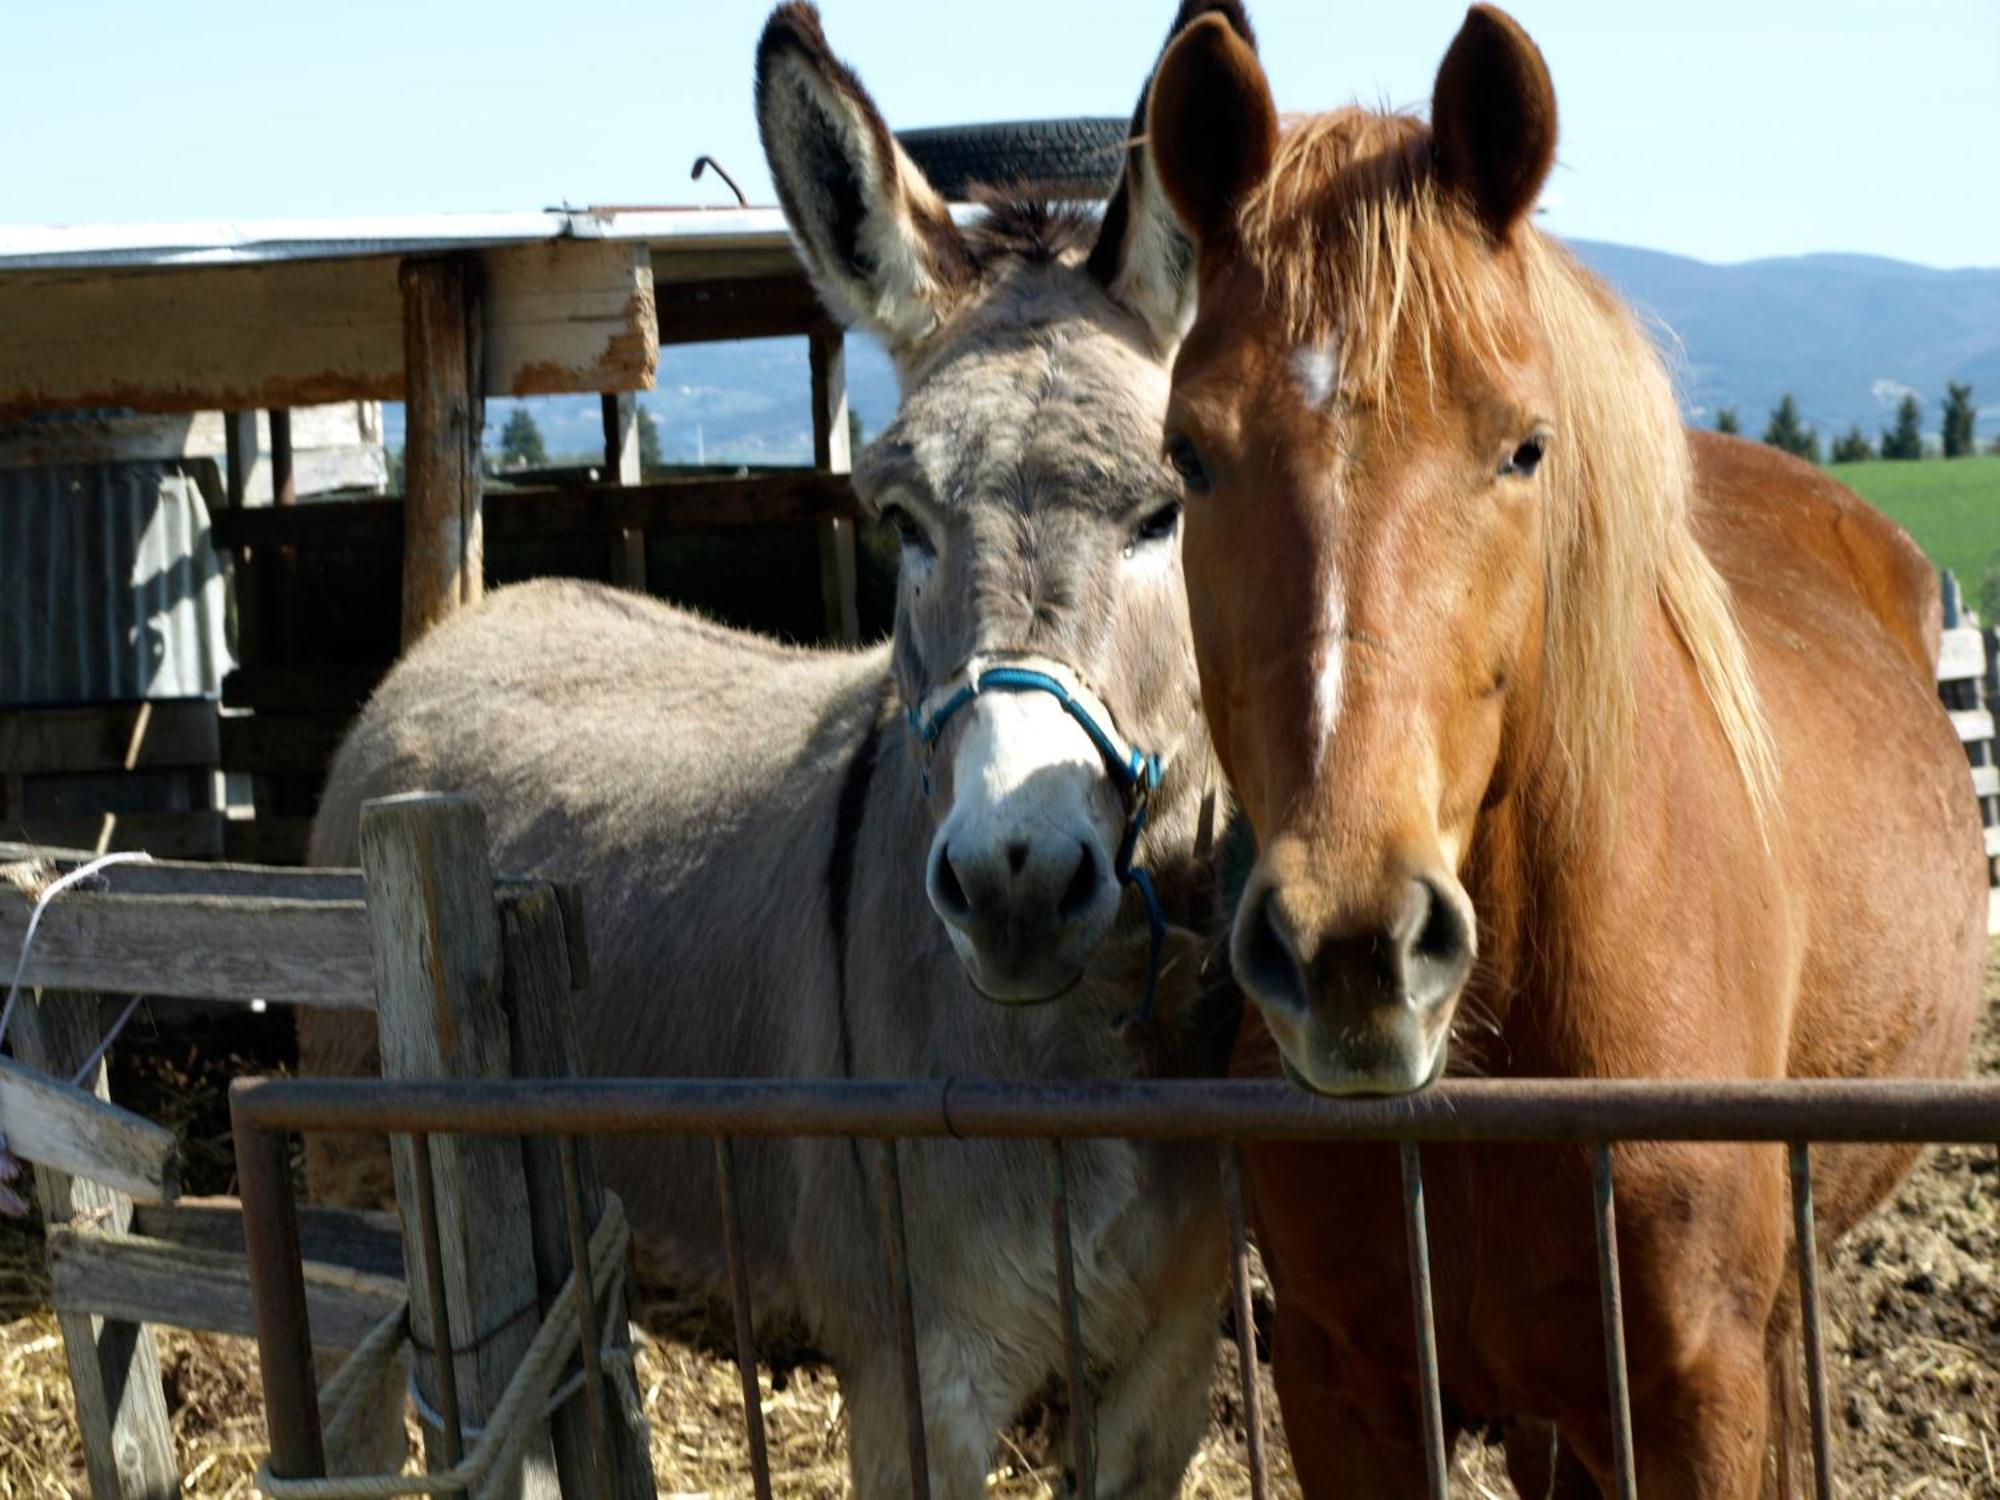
column 1993, row 843
column 362, row 1241
column 738, row 307
column 443, row 547
column 1986, row 781
column 90, row 737
column 542, row 1036
column 566, row 316
column 197, row 947
column 1972, row 724
column 345, row 427
column 438, row 971
column 143, row 1280
column 621, row 465
column 1961, row 655
column 198, row 834
column 282, row 744
column 753, row 500
column 301, row 689
column 833, row 454
column 55, row 1124
column 114, row 1370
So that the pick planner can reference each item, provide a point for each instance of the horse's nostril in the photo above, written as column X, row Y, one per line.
column 947, row 893
column 1441, row 935
column 1081, row 892
column 1264, row 960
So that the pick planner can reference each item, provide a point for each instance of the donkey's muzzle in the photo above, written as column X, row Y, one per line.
column 1025, row 912
column 1358, row 996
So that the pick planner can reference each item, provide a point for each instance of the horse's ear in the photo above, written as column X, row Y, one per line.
column 1493, row 118
column 1211, row 127
column 878, row 240
column 1143, row 255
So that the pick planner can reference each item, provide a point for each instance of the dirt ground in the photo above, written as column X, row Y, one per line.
column 1913, row 1316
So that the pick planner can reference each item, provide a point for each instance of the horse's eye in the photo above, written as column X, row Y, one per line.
column 1159, row 526
column 1526, row 458
column 907, row 529
column 1186, row 460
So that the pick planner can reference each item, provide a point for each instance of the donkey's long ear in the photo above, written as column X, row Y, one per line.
column 1143, row 255
column 1493, row 119
column 877, row 238
column 1211, row 127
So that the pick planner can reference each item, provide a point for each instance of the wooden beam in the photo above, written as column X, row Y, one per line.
column 282, row 744
column 200, row 833
column 301, row 689
column 114, row 1369
column 562, row 317
column 169, row 733
column 768, row 498
column 833, row 453
column 443, row 554
column 197, row 947
column 739, row 307
column 438, row 970
column 360, row 1240
column 53, row 1123
column 145, row 1280
column 621, row 465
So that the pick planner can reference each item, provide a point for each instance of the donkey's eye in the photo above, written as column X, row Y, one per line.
column 1160, row 525
column 1525, row 459
column 1186, row 460
column 908, row 532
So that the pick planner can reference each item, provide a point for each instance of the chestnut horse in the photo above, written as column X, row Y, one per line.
column 1576, row 745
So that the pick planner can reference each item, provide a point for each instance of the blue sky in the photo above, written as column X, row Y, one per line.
column 1724, row 129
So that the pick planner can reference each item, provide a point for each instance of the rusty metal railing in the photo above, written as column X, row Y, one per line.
column 1595, row 1114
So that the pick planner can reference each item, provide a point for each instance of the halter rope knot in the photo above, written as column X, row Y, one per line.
column 1137, row 773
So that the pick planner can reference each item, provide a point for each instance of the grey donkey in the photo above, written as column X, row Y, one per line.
column 833, row 864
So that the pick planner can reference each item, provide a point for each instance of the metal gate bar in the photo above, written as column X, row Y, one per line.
column 1528, row 1111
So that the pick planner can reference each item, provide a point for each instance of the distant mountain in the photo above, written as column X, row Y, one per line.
column 1846, row 334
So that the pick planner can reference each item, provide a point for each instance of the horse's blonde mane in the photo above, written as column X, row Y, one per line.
column 1358, row 245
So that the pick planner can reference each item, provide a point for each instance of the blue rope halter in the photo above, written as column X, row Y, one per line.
column 1136, row 772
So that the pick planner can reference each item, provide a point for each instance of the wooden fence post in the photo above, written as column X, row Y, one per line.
column 128, row 1448
column 833, row 453
column 621, row 466
column 438, row 967
column 542, row 970
column 445, row 405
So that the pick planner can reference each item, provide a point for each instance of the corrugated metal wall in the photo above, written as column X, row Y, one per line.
column 109, row 587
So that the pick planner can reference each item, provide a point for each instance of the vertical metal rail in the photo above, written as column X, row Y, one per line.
column 278, row 1298
column 896, row 1247
column 1246, row 1318
column 1808, row 1253
column 1082, row 1447
column 1613, row 1297
column 586, row 1317
column 444, row 1358
column 1437, row 1462
column 739, row 1300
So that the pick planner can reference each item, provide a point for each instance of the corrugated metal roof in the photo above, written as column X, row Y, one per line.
column 109, row 586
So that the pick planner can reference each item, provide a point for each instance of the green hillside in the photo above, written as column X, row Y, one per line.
column 1950, row 505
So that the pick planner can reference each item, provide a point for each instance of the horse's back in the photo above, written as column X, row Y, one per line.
column 1878, row 830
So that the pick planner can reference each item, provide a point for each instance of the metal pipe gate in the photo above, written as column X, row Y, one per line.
column 1592, row 1113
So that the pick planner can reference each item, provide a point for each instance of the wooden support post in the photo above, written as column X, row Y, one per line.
column 833, row 452
column 278, row 568
column 431, row 908
column 540, row 978
column 621, row 467
column 443, row 554
column 128, row 1448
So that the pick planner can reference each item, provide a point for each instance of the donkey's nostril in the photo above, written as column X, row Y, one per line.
column 1081, row 892
column 1017, row 855
column 947, row 893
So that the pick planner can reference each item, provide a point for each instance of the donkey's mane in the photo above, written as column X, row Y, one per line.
column 1359, row 245
column 1022, row 225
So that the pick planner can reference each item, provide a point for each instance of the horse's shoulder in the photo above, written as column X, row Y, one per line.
column 1768, row 516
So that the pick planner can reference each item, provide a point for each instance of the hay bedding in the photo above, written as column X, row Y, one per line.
column 1913, row 1326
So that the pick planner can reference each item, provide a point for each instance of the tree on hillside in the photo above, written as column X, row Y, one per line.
column 521, row 442
column 1786, row 431
column 650, row 456
column 1725, row 420
column 1906, row 440
column 1958, row 417
column 1854, row 448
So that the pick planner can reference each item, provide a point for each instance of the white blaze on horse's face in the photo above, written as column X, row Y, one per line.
column 1020, row 867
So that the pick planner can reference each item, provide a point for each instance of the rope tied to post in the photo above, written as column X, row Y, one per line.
column 531, row 1397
